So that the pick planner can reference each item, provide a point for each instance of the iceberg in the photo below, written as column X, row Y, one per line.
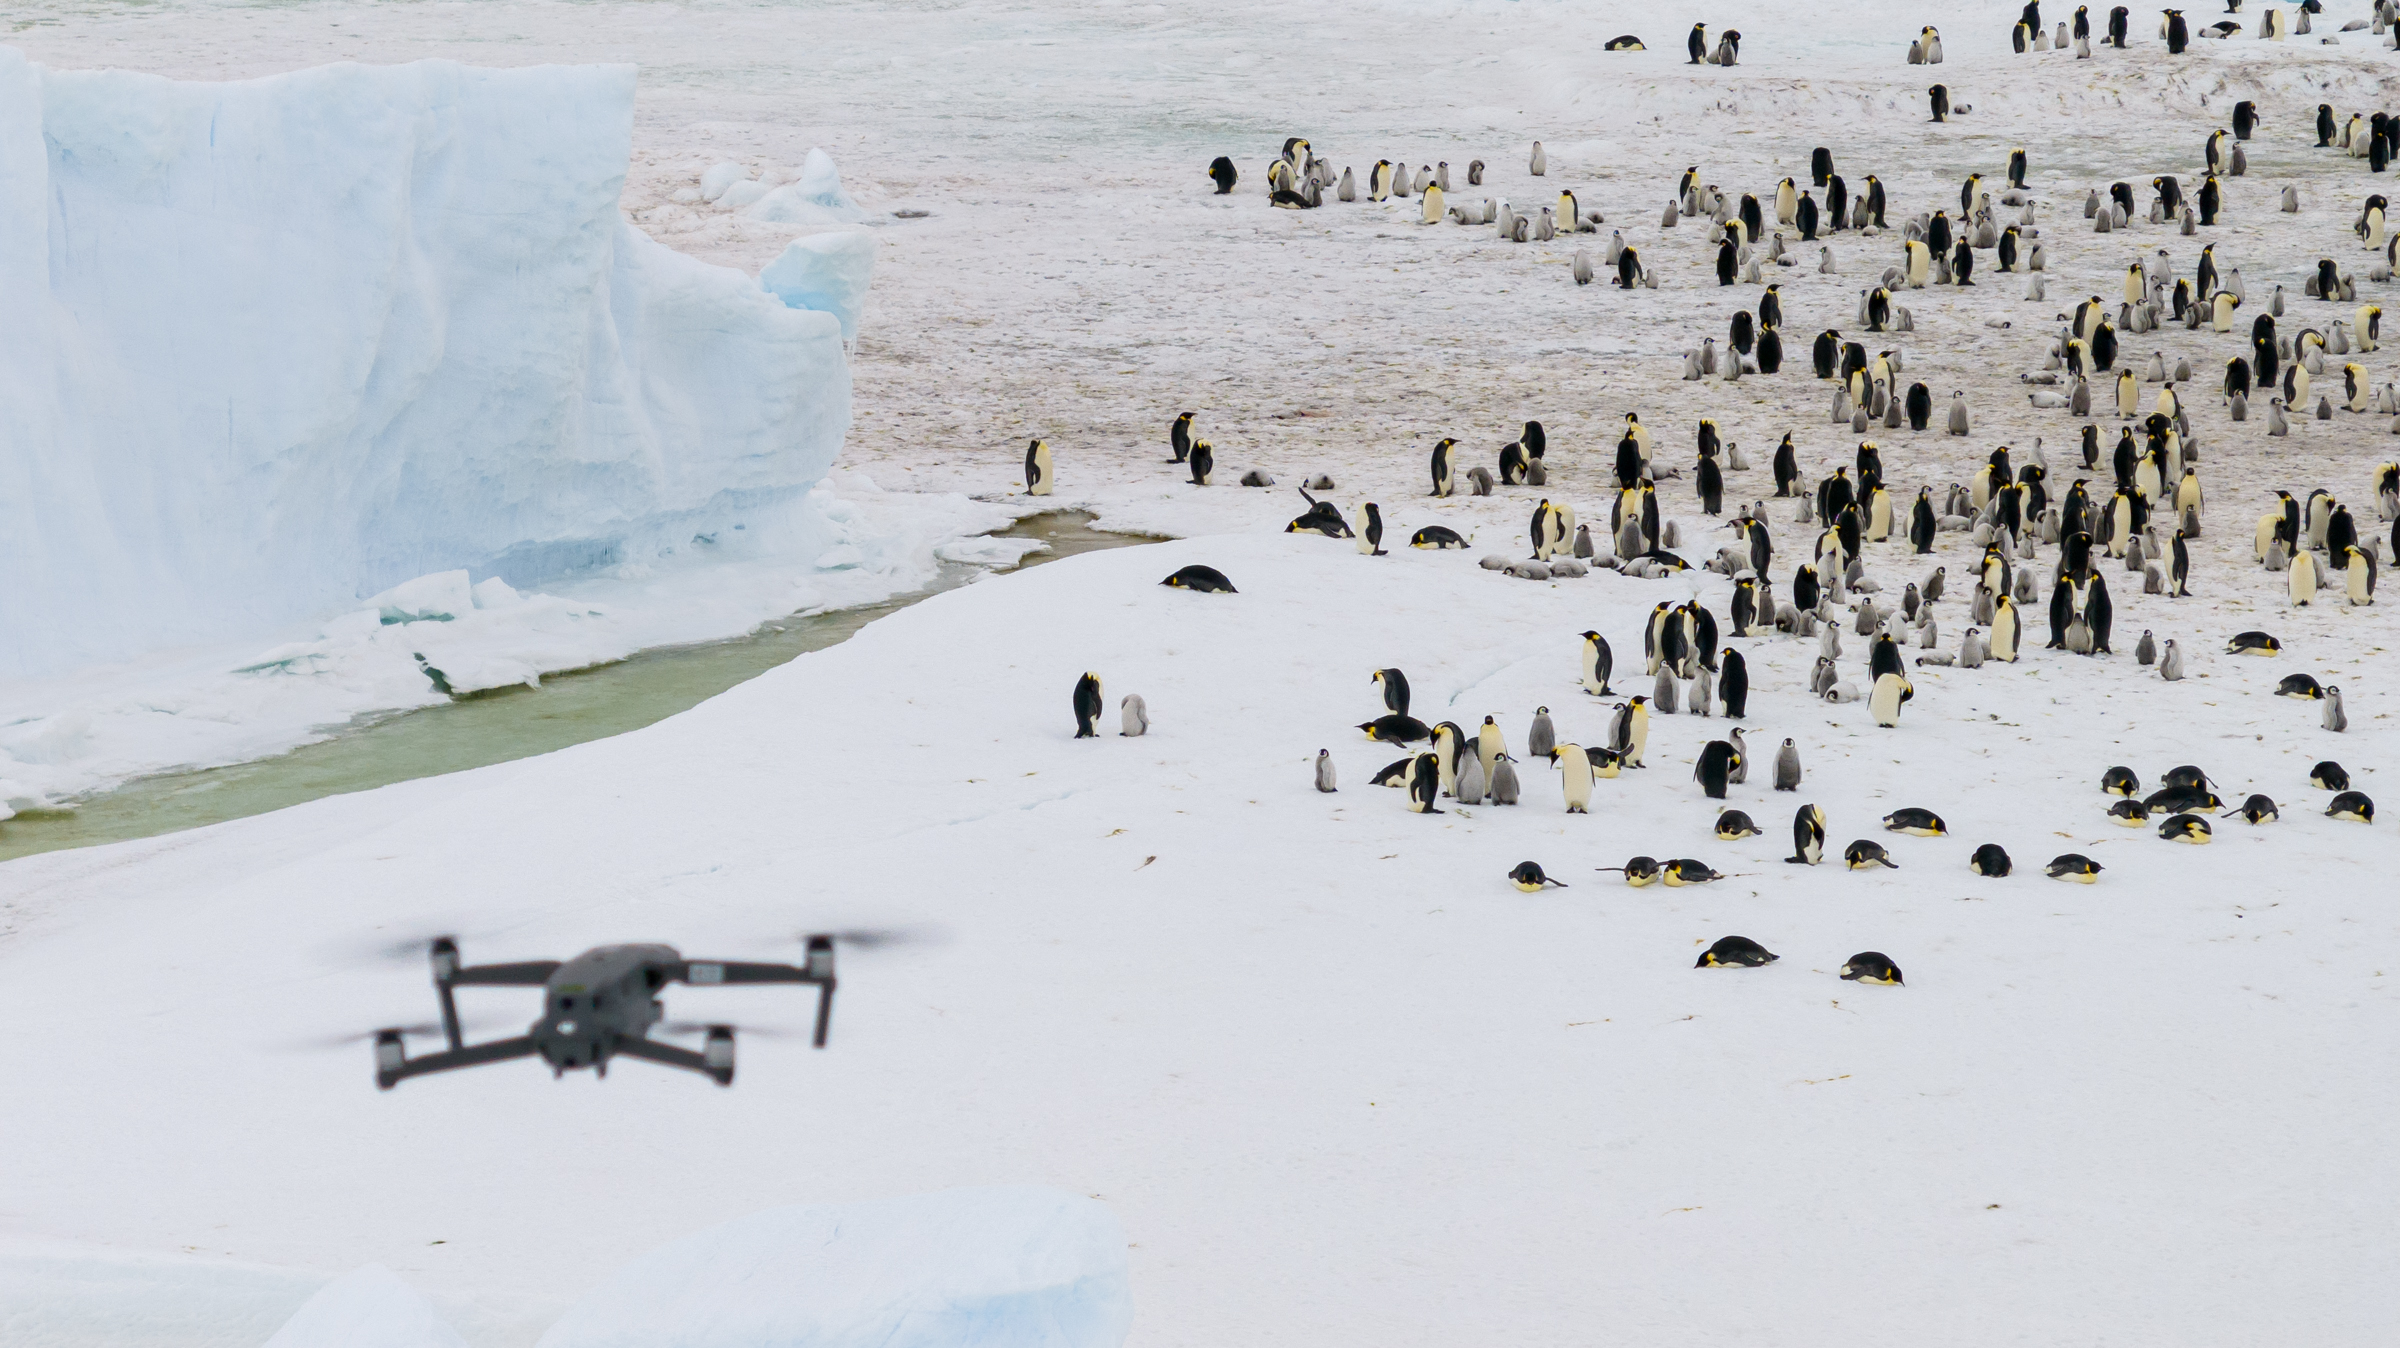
column 968, row 1268
column 278, row 345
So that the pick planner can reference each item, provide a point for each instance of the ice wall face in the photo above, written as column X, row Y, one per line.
column 276, row 345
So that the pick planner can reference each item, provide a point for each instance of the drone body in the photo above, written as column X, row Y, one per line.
column 598, row 1005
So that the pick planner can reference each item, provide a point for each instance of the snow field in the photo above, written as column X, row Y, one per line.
column 1313, row 1047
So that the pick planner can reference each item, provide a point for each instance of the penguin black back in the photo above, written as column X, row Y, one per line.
column 1205, row 579
column 1224, row 173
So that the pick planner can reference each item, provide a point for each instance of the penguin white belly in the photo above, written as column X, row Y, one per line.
column 1575, row 778
column 1884, row 702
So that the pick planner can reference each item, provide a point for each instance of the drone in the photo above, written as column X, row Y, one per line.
column 598, row 1005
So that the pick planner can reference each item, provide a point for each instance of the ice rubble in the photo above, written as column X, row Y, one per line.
column 277, row 345
column 969, row 1268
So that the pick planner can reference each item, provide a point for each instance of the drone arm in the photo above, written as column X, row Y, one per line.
column 720, row 973
column 717, row 1065
column 393, row 1065
column 530, row 974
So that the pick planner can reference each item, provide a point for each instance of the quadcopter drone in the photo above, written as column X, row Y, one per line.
column 597, row 1005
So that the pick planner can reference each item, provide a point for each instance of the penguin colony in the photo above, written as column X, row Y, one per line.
column 2040, row 535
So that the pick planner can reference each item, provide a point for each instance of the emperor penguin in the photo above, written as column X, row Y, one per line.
column 1203, row 463
column 1697, row 45
column 1134, row 715
column 1179, row 437
column 1575, row 776
column 1883, row 704
column 1808, row 836
column 1490, row 745
column 1598, row 661
column 1542, row 737
column 2007, row 630
column 1872, row 966
column 1528, row 876
column 2367, row 324
column 1633, row 732
column 2358, row 574
column 1434, row 211
column 1369, row 529
column 1379, row 181
column 1395, row 690
column 1425, row 784
column 2129, row 393
column 1087, row 707
column 1714, row 768
column 2303, row 577
column 1939, row 97
column 1444, row 479
column 1920, row 264
column 1038, row 477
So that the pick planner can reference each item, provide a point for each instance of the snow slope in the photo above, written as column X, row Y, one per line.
column 1340, row 1080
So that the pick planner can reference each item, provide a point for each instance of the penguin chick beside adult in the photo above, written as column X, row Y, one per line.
column 1133, row 716
column 1087, row 707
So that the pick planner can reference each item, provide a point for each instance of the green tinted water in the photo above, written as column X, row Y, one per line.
column 491, row 727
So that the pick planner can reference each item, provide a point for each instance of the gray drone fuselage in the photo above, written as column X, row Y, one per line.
column 595, row 1007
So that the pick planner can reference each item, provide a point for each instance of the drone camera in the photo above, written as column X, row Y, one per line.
column 390, row 1056
column 718, row 1054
